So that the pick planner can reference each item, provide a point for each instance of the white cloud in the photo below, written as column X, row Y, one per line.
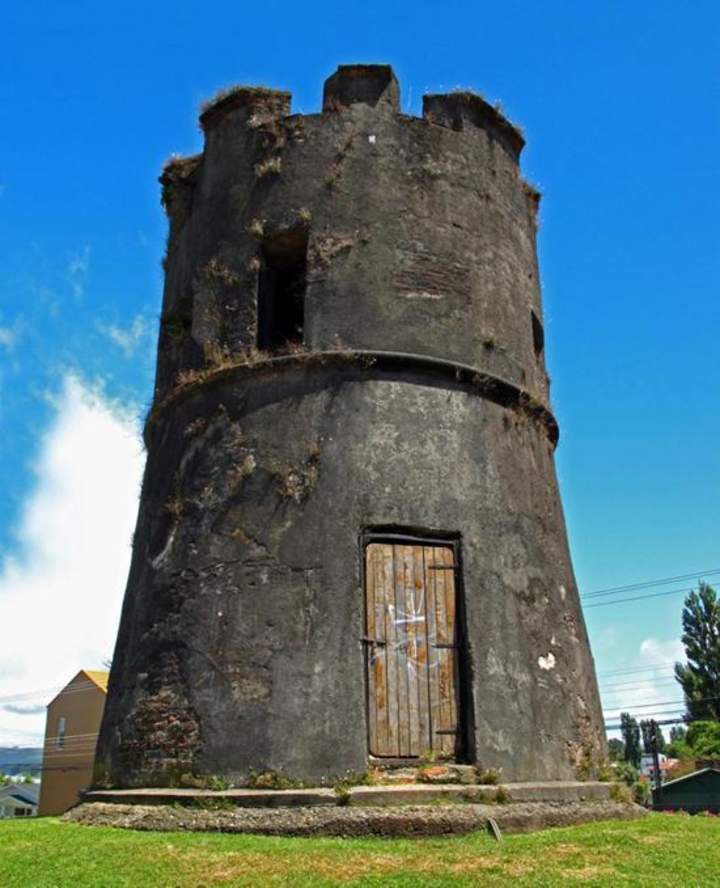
column 61, row 590
column 77, row 270
column 9, row 335
column 126, row 338
column 648, row 690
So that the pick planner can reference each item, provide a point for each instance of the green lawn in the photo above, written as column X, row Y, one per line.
column 662, row 849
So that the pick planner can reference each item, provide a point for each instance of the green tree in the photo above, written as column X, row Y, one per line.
column 646, row 730
column 661, row 742
column 677, row 747
column 616, row 750
column 700, row 676
column 631, row 737
column 678, row 732
column 703, row 738
column 626, row 772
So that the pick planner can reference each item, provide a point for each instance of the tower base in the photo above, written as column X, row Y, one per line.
column 400, row 810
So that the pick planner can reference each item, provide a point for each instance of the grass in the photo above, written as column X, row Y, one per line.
column 661, row 850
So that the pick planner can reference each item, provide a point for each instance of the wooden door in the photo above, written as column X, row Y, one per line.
column 411, row 649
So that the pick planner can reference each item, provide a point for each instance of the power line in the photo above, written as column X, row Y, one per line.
column 655, row 714
column 34, row 766
column 638, row 598
column 638, row 682
column 629, row 669
column 666, row 721
column 647, row 584
column 634, row 690
column 662, row 684
column 671, row 703
column 667, row 710
column 29, row 695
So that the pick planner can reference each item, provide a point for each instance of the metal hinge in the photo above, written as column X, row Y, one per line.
column 447, row 731
column 442, row 566
column 366, row 640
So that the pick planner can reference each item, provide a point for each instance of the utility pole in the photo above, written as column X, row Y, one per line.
column 653, row 732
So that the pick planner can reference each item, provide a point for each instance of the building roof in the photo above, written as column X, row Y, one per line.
column 96, row 677
column 692, row 776
column 25, row 793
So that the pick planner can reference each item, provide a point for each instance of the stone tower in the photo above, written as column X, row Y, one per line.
column 350, row 543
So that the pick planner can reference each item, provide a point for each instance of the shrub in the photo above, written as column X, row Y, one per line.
column 621, row 792
column 272, row 780
column 627, row 772
column 642, row 792
column 267, row 167
column 218, row 783
column 489, row 776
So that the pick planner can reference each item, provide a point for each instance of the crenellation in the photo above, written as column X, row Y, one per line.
column 533, row 197
column 372, row 85
column 457, row 110
column 254, row 104
column 178, row 180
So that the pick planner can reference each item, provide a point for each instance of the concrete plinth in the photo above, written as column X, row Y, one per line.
column 410, row 793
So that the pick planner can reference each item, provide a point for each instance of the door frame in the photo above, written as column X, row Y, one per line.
column 400, row 536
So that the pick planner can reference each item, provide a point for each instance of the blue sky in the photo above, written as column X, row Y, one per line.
column 619, row 103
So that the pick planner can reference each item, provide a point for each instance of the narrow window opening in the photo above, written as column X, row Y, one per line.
column 60, row 738
column 537, row 334
column 281, row 290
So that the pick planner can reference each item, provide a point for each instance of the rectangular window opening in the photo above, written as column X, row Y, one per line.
column 537, row 334
column 60, row 737
column 281, row 290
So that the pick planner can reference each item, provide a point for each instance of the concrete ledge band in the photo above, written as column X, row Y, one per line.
column 454, row 374
column 550, row 791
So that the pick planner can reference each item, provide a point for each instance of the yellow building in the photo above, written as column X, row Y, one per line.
column 73, row 722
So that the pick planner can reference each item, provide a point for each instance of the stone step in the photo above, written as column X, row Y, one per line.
column 243, row 798
column 418, row 793
column 411, row 793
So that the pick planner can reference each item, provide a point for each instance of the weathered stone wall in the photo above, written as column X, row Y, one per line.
column 421, row 236
column 240, row 642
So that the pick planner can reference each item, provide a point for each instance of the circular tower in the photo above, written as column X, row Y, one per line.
column 350, row 543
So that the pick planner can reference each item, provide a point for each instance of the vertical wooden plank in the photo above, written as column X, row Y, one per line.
column 374, row 701
column 433, row 662
column 447, row 655
column 449, row 557
column 391, row 656
column 401, row 656
column 421, row 650
column 376, row 596
column 443, row 741
column 409, row 620
column 443, row 709
column 380, row 655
